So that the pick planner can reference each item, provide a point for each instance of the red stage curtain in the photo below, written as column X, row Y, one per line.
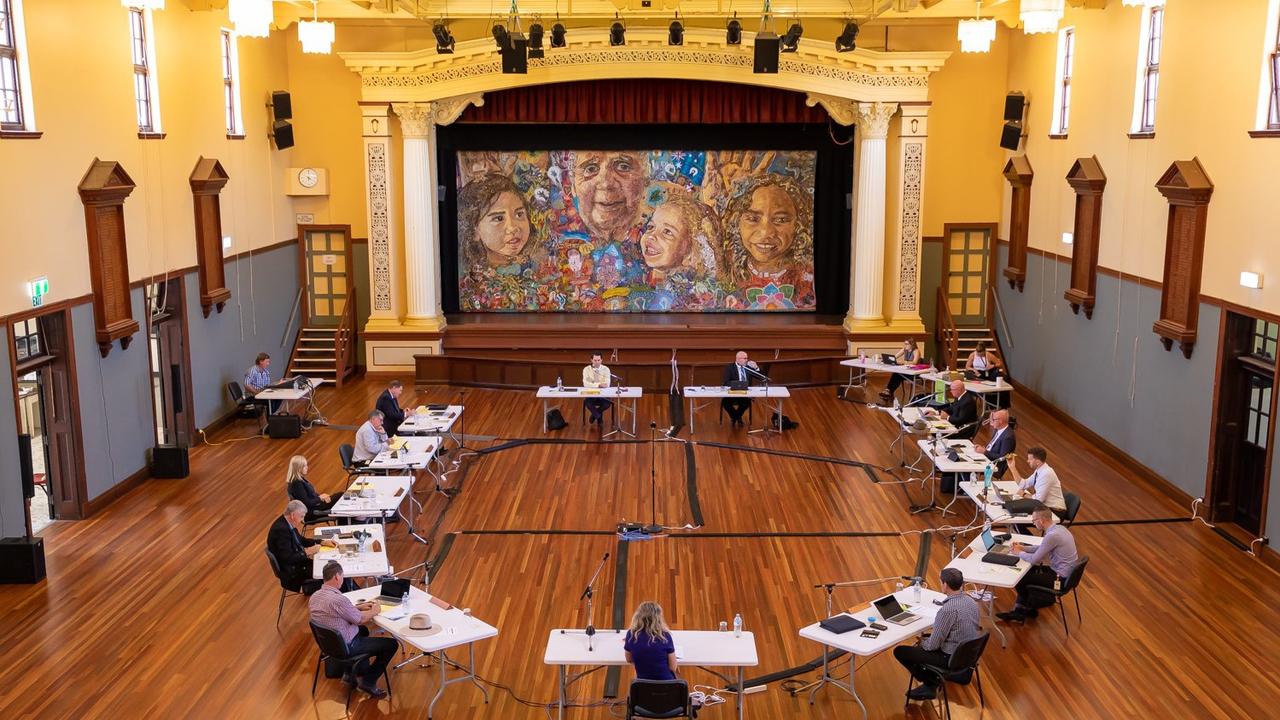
column 644, row 101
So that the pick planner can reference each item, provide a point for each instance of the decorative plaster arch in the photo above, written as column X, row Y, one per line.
column 829, row 78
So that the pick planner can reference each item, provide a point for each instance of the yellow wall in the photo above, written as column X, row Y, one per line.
column 82, row 80
column 1209, row 74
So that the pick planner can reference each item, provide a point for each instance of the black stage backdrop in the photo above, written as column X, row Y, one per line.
column 832, row 188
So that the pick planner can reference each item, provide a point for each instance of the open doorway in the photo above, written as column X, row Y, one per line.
column 170, row 365
column 45, row 395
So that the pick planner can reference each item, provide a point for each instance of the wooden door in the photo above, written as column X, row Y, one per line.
column 58, row 393
column 170, row 367
column 325, row 253
column 966, row 272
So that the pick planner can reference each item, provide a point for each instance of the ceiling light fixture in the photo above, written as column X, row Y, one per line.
column 617, row 34
column 444, row 39
column 557, row 36
column 733, row 31
column 675, row 33
column 252, row 18
column 501, row 36
column 847, row 40
column 791, row 41
column 535, row 41
column 1041, row 16
column 977, row 34
column 316, row 36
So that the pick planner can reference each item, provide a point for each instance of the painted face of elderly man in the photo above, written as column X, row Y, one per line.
column 609, row 185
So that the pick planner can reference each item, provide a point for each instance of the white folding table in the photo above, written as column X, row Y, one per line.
column 970, row 461
column 699, row 648
column 550, row 395
column 982, row 388
column 370, row 563
column 431, row 422
column 992, row 506
column 989, row 575
column 866, row 365
column 775, row 393
column 906, row 418
column 456, row 628
column 852, row 642
column 388, row 493
column 291, row 393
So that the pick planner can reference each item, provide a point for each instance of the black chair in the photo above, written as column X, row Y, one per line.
column 1073, row 507
column 659, row 699
column 961, row 670
column 246, row 407
column 1046, row 596
column 334, row 649
column 285, row 590
column 347, row 453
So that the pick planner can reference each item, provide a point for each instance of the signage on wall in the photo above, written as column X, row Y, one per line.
column 305, row 218
column 329, row 259
column 37, row 289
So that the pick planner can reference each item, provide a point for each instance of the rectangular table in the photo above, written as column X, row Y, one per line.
column 853, row 642
column 416, row 454
column 867, row 365
column 970, row 461
column 699, row 648
column 456, row 628
column 291, row 394
column 994, row 509
column 548, row 394
column 989, row 575
column 906, row 418
column 370, row 563
column 389, row 493
column 431, row 422
column 982, row 388
column 777, row 393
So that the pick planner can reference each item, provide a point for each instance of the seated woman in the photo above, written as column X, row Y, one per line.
column 982, row 362
column 299, row 488
column 648, row 644
column 908, row 355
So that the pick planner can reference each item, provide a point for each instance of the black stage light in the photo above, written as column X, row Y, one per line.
column 791, row 40
column 444, row 39
column 535, row 40
column 848, row 39
column 501, row 37
column 557, row 35
column 675, row 33
column 733, row 32
column 617, row 34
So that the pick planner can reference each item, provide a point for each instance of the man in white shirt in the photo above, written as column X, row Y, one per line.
column 1002, row 443
column 1042, row 484
column 596, row 375
column 371, row 439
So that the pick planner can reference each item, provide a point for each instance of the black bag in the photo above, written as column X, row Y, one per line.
column 555, row 420
column 1023, row 506
column 784, row 422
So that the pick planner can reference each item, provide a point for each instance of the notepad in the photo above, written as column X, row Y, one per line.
column 737, row 392
column 397, row 443
column 585, row 391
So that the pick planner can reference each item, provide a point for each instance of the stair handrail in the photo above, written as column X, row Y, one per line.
column 293, row 313
column 1004, row 326
column 947, row 335
column 344, row 339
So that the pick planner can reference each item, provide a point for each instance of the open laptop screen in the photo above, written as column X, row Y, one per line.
column 888, row 606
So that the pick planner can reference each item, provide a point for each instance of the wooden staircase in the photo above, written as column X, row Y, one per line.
column 956, row 342
column 327, row 353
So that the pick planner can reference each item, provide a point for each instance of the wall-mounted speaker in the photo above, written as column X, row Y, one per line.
column 766, row 58
column 1011, row 135
column 281, row 107
column 515, row 55
column 282, row 131
column 1014, row 104
column 25, row 466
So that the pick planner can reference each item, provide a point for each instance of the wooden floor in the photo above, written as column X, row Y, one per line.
column 162, row 605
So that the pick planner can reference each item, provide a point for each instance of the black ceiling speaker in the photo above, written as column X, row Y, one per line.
column 1014, row 104
column 281, row 108
column 767, row 47
column 515, row 57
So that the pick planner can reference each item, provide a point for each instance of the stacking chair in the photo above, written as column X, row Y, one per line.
column 346, row 453
column 1073, row 507
column 1048, row 596
column 659, row 699
column 246, row 407
column 962, row 668
column 334, row 649
column 285, row 591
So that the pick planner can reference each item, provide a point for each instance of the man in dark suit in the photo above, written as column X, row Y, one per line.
column 293, row 550
column 738, row 377
column 962, row 411
column 1002, row 443
column 389, row 405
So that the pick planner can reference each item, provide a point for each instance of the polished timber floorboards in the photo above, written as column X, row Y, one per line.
column 162, row 605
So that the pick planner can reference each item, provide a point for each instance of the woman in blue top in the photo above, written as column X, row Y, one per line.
column 649, row 646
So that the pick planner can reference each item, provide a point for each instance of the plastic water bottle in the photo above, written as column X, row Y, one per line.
column 737, row 625
column 915, row 591
column 404, row 600
column 426, row 581
column 559, row 383
column 987, row 472
column 898, row 587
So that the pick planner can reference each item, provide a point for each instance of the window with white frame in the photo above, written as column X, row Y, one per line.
column 1269, row 95
column 145, row 90
column 16, row 110
column 231, row 84
column 1150, row 39
column 1062, row 85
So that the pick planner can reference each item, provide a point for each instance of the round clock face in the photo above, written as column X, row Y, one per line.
column 308, row 178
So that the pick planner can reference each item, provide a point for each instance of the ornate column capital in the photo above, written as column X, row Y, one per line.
column 873, row 119
column 415, row 118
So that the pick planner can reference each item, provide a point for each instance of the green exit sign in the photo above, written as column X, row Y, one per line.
column 38, row 288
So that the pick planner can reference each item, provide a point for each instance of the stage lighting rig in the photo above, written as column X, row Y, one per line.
column 557, row 36
column 733, row 32
column 847, row 40
column 535, row 40
column 675, row 33
column 501, row 36
column 444, row 39
column 791, row 41
column 617, row 34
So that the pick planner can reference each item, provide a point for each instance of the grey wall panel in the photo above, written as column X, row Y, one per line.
column 13, row 519
column 1085, row 367
column 224, row 345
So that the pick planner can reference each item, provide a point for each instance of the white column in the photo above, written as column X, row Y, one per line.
column 421, row 235
column 905, row 267
column 866, row 284
column 384, row 275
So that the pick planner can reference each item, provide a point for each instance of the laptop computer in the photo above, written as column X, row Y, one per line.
column 393, row 591
column 892, row 611
column 888, row 359
column 997, row 553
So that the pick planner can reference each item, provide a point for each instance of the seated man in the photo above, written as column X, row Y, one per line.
column 1002, row 443
column 956, row 622
column 962, row 411
column 371, row 439
column 258, row 378
column 332, row 610
column 1043, row 484
column 596, row 375
column 1053, row 559
column 293, row 550
column 389, row 405
column 738, row 376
